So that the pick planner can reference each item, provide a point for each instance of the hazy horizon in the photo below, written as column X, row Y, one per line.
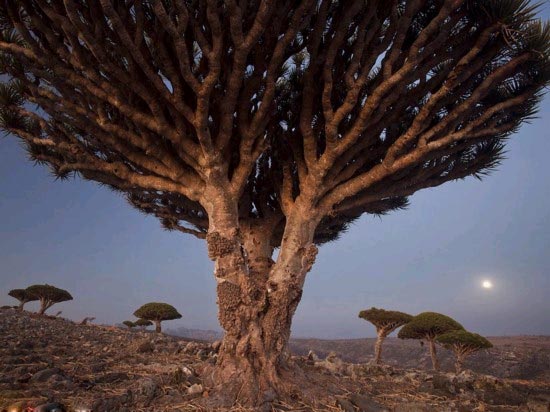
column 431, row 257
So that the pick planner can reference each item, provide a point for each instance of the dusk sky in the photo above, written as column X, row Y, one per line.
column 432, row 256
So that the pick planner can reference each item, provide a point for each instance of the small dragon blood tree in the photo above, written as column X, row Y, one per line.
column 463, row 344
column 143, row 323
column 22, row 296
column 157, row 312
column 427, row 326
column 129, row 324
column 385, row 322
column 48, row 296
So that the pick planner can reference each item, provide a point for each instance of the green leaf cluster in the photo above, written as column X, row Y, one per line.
column 428, row 325
column 465, row 339
column 157, row 311
column 143, row 322
column 21, row 295
column 49, row 293
column 381, row 317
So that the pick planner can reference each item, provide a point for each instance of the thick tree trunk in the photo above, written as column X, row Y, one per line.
column 158, row 328
column 44, row 306
column 256, row 299
column 433, row 355
column 378, row 348
column 21, row 305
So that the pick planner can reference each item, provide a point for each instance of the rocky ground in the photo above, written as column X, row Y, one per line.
column 87, row 368
column 515, row 357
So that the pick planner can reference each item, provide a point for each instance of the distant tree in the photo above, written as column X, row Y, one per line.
column 143, row 323
column 48, row 296
column 157, row 312
column 86, row 320
column 22, row 296
column 129, row 324
column 463, row 344
column 427, row 326
column 385, row 322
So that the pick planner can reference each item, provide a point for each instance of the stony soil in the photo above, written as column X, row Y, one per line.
column 515, row 357
column 106, row 369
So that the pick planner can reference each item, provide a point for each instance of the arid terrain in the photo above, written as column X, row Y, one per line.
column 108, row 369
column 516, row 357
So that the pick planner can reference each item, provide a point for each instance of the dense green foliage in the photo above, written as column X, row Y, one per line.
column 49, row 293
column 143, row 323
column 129, row 324
column 428, row 325
column 382, row 318
column 156, row 311
column 463, row 339
column 21, row 295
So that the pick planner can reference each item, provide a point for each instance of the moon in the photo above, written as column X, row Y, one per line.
column 487, row 284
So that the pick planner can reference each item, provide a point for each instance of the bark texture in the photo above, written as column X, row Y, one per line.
column 378, row 348
column 45, row 304
column 433, row 355
column 459, row 362
column 158, row 327
column 257, row 298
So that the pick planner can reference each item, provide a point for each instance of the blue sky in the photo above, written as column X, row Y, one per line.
column 432, row 256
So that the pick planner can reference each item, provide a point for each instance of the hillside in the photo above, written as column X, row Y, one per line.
column 515, row 357
column 87, row 368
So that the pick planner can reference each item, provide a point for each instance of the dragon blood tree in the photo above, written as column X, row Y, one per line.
column 261, row 125
column 428, row 326
column 143, row 323
column 129, row 324
column 463, row 344
column 385, row 322
column 22, row 296
column 157, row 312
column 48, row 296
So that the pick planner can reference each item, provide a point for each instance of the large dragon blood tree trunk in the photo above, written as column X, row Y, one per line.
column 257, row 298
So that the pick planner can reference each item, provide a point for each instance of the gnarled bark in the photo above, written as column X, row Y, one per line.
column 257, row 298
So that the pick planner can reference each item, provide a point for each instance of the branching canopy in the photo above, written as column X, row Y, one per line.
column 361, row 102
column 143, row 323
column 385, row 321
column 463, row 341
column 129, row 324
column 428, row 325
column 156, row 311
column 48, row 293
column 21, row 295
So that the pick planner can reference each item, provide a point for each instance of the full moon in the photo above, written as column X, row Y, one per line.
column 487, row 284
